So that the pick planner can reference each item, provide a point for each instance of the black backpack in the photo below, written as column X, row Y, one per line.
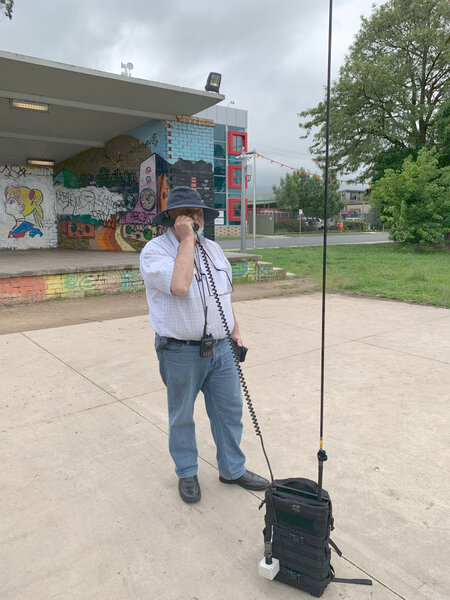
column 298, row 526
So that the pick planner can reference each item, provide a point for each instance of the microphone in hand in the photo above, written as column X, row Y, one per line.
column 195, row 226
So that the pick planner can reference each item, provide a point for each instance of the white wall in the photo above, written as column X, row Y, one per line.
column 27, row 208
column 226, row 115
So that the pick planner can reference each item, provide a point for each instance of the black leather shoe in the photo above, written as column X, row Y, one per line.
column 249, row 481
column 189, row 489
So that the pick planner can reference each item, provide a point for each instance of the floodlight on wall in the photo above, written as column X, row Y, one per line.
column 213, row 82
column 37, row 162
column 28, row 105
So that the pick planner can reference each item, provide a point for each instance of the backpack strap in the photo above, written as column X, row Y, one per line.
column 335, row 548
column 345, row 580
column 360, row 581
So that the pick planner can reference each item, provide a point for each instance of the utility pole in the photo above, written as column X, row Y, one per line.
column 243, row 190
column 254, row 199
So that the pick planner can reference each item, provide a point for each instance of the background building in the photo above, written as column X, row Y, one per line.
column 230, row 139
column 355, row 199
column 88, row 158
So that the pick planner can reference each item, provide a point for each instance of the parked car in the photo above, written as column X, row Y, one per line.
column 311, row 223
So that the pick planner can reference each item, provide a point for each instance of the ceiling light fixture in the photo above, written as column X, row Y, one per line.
column 28, row 105
column 35, row 162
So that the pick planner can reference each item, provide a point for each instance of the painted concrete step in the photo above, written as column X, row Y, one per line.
column 265, row 270
column 279, row 273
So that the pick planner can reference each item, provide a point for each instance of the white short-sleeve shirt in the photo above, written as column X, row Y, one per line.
column 183, row 317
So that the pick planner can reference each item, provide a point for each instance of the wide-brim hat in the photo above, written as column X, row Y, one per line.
column 184, row 197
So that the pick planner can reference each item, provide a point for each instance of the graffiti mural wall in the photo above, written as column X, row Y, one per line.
column 106, row 198
column 27, row 208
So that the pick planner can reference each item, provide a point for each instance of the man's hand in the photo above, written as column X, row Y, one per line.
column 183, row 269
column 184, row 228
column 236, row 336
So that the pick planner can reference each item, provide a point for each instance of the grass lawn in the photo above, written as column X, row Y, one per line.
column 383, row 270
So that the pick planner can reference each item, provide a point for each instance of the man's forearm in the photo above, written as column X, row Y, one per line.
column 183, row 269
column 235, row 334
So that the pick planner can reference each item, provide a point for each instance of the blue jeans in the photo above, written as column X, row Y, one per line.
column 185, row 374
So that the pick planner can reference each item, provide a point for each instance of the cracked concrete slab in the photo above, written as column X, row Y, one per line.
column 90, row 508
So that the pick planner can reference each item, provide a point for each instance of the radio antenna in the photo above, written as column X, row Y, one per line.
column 322, row 455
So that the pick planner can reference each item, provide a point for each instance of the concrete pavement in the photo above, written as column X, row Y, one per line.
column 89, row 505
column 41, row 262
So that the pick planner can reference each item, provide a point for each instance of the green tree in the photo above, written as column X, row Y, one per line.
column 298, row 190
column 443, row 134
column 389, row 90
column 415, row 201
column 390, row 159
column 6, row 7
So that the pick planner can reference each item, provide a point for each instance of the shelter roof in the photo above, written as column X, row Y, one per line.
column 86, row 107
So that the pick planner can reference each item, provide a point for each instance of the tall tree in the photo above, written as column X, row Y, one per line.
column 298, row 190
column 443, row 134
column 390, row 89
column 6, row 7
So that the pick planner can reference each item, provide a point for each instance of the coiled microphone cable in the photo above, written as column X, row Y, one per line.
column 248, row 400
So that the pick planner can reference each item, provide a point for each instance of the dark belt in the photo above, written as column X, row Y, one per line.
column 188, row 342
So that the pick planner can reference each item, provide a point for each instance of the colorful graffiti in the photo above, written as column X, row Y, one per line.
column 90, row 283
column 27, row 208
column 111, row 206
column 146, row 205
column 163, row 187
column 73, row 285
column 107, row 197
column 99, row 202
column 21, row 203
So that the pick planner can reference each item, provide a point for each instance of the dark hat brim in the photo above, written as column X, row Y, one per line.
column 209, row 214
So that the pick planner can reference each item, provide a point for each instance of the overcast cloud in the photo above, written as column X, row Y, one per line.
column 272, row 54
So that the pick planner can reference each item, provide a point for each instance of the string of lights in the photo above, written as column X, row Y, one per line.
column 308, row 173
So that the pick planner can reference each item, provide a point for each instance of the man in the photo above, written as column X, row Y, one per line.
column 183, row 311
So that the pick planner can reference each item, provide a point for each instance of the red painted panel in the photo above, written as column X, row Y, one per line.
column 241, row 134
column 232, row 168
column 231, row 203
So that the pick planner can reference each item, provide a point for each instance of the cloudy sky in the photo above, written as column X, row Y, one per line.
column 272, row 54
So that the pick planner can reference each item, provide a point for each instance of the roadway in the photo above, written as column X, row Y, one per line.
column 278, row 241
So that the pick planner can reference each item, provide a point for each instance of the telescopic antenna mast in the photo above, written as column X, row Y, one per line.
column 322, row 455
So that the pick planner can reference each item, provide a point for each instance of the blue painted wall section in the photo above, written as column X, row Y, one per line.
column 190, row 140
